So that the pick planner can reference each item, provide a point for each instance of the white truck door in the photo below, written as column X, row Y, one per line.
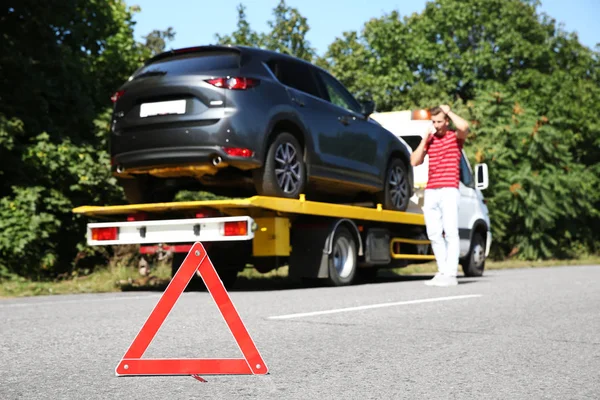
column 468, row 207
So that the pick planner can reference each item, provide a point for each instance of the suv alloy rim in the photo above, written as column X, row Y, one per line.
column 398, row 187
column 287, row 169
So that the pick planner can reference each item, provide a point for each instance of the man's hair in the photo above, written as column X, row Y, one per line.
column 437, row 110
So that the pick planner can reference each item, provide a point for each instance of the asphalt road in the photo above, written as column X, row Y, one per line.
column 514, row 334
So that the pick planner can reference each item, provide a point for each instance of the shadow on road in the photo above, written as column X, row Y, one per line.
column 244, row 284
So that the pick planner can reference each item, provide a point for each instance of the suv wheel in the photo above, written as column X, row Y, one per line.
column 284, row 173
column 396, row 193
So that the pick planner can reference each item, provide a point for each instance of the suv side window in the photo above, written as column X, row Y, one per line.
column 294, row 74
column 465, row 174
column 338, row 95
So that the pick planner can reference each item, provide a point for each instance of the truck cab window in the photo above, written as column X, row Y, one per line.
column 465, row 174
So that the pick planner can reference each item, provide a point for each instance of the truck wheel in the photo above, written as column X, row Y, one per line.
column 284, row 172
column 474, row 263
column 396, row 193
column 196, row 283
column 343, row 258
column 228, row 276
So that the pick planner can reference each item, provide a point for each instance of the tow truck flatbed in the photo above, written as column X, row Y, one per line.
column 316, row 239
column 247, row 205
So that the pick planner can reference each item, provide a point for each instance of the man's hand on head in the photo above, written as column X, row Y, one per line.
column 445, row 108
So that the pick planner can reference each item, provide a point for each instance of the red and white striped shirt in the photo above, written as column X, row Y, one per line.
column 444, row 161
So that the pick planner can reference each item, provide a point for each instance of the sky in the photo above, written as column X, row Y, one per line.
column 196, row 23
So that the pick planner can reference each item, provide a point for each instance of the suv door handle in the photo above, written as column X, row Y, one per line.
column 346, row 119
column 298, row 101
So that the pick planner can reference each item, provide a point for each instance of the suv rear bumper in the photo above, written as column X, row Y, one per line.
column 178, row 161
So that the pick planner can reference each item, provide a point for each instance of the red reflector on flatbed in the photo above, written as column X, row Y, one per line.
column 111, row 233
column 236, row 228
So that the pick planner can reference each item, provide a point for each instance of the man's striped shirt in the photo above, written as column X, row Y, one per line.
column 444, row 161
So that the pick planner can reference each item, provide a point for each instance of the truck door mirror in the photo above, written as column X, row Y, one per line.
column 481, row 173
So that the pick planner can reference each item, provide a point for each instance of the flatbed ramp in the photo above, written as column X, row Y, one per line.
column 282, row 206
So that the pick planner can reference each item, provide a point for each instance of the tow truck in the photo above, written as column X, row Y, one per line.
column 317, row 240
column 339, row 243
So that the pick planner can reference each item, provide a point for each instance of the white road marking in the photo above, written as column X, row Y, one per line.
column 51, row 303
column 381, row 305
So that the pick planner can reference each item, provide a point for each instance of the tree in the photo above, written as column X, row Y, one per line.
column 156, row 41
column 530, row 90
column 287, row 35
column 59, row 64
column 244, row 35
column 288, row 32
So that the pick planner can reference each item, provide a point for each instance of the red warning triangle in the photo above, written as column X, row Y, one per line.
column 132, row 362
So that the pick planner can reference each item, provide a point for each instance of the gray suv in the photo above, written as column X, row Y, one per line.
column 240, row 121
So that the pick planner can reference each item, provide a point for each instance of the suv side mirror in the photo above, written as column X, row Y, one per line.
column 482, row 178
column 367, row 107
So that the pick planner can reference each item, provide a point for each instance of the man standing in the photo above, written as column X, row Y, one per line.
column 442, row 195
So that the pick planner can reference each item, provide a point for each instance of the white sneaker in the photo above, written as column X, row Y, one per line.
column 442, row 280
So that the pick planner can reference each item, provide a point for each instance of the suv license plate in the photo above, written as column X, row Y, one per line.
column 162, row 108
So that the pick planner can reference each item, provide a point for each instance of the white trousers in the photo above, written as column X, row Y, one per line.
column 440, row 210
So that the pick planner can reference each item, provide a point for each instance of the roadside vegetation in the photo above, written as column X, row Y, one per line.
column 120, row 278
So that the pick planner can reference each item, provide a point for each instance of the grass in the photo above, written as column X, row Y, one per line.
column 122, row 278
column 430, row 268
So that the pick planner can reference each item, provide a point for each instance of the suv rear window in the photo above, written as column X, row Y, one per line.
column 191, row 63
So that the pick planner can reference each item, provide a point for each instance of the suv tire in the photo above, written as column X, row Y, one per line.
column 283, row 173
column 396, row 192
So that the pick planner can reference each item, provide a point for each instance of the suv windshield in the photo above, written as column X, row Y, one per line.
column 191, row 63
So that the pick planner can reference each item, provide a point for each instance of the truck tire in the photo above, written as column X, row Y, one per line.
column 284, row 172
column 474, row 262
column 227, row 275
column 396, row 192
column 343, row 259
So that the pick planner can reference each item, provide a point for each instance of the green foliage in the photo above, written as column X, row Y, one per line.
column 59, row 64
column 530, row 91
column 38, row 232
column 188, row 195
column 287, row 35
column 156, row 41
column 244, row 35
column 541, row 200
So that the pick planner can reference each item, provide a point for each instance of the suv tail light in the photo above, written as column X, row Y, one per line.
column 111, row 233
column 235, row 228
column 238, row 152
column 234, row 82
